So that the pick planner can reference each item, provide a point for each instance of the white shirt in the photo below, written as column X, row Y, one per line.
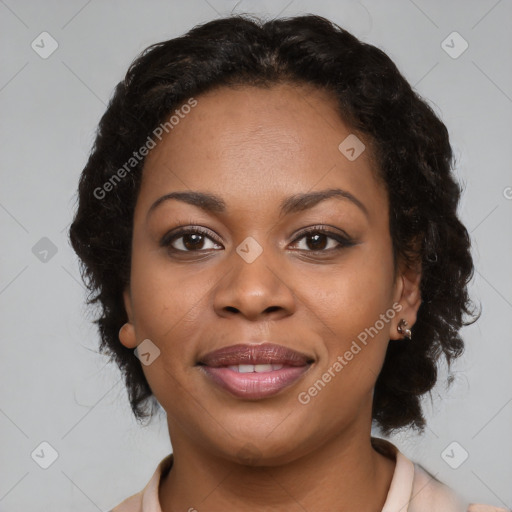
column 412, row 489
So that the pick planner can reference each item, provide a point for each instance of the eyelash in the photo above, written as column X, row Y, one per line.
column 343, row 241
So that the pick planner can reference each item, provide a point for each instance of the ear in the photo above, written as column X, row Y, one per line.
column 127, row 332
column 407, row 295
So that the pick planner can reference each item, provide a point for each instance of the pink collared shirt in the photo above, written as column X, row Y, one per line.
column 412, row 489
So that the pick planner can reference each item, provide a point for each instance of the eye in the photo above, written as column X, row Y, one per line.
column 191, row 239
column 196, row 239
column 319, row 239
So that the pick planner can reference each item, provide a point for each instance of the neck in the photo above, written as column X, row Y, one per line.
column 344, row 474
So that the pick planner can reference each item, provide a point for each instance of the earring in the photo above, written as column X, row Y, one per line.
column 123, row 328
column 401, row 328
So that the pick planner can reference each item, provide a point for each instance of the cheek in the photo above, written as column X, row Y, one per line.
column 358, row 291
column 349, row 318
column 168, row 303
column 169, row 309
column 353, row 303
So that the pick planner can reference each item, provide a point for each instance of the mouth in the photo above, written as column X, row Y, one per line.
column 254, row 372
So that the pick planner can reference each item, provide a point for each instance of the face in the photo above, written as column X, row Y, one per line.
column 265, row 258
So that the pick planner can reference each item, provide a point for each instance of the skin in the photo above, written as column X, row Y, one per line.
column 254, row 147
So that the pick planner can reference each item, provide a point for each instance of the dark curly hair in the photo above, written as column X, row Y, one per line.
column 408, row 141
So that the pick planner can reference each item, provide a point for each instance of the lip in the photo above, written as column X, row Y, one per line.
column 263, row 353
column 254, row 385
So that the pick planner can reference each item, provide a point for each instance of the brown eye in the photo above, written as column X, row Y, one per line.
column 192, row 241
column 317, row 242
column 321, row 240
column 189, row 240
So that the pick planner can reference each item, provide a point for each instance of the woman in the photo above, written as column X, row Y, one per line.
column 268, row 222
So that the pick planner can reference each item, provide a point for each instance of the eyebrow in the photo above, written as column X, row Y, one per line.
column 298, row 202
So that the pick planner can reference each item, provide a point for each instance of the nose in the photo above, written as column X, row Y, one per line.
column 257, row 289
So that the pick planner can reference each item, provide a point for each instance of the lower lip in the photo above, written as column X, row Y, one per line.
column 255, row 385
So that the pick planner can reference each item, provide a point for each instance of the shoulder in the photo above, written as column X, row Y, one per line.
column 131, row 504
column 147, row 500
column 428, row 493
column 475, row 507
column 414, row 489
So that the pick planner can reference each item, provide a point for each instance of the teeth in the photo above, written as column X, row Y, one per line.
column 262, row 367
column 257, row 368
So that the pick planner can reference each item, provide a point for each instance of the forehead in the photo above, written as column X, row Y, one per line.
column 255, row 143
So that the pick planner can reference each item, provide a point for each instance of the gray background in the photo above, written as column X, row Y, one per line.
column 53, row 385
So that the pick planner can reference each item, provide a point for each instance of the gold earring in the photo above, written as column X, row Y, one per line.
column 401, row 328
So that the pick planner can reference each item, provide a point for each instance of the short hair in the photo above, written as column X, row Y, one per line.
column 408, row 141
